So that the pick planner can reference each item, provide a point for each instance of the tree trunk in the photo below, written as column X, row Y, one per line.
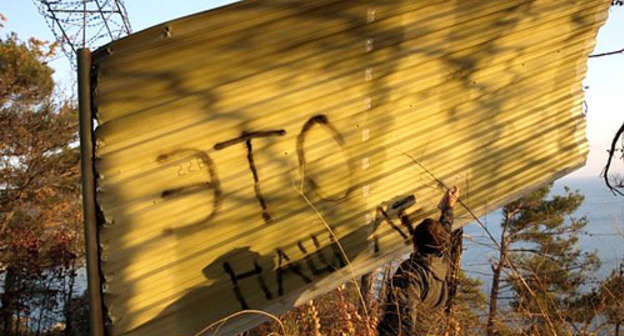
column 496, row 279
column 42, row 306
column 9, row 301
column 494, row 298
column 366, row 289
column 68, row 301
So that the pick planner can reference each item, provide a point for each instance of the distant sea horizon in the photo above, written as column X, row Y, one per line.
column 605, row 214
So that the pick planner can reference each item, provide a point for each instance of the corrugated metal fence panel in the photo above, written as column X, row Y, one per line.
column 210, row 127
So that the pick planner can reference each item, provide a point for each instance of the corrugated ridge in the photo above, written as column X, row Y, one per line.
column 485, row 94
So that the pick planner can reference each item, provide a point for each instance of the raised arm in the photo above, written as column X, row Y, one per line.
column 446, row 205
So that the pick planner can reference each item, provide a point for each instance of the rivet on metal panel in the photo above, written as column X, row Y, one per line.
column 104, row 252
column 370, row 16
column 167, row 32
column 369, row 45
column 108, row 277
column 365, row 134
column 368, row 74
column 365, row 163
column 366, row 191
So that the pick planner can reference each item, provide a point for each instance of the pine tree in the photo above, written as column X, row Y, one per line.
column 612, row 296
column 470, row 304
column 602, row 308
column 541, row 263
column 40, row 217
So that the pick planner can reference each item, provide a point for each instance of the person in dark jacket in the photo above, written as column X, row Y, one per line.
column 419, row 290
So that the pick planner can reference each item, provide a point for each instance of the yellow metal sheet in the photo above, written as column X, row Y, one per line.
column 238, row 150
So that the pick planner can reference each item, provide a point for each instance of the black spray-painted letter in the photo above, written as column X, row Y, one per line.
column 320, row 119
column 246, row 137
column 213, row 181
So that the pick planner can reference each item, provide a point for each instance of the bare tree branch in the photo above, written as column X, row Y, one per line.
column 612, row 151
column 609, row 53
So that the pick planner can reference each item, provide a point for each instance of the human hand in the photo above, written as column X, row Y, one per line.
column 449, row 199
column 453, row 196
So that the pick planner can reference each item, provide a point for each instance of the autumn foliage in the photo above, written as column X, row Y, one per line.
column 40, row 219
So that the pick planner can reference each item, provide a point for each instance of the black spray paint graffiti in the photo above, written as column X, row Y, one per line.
column 286, row 266
column 320, row 120
column 323, row 260
column 310, row 262
column 246, row 138
column 257, row 271
column 398, row 207
column 212, row 183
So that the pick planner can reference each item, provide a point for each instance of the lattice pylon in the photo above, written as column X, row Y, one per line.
column 84, row 23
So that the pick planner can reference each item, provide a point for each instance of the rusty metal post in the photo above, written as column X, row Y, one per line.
column 96, row 316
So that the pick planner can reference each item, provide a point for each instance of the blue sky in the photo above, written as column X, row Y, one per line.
column 605, row 76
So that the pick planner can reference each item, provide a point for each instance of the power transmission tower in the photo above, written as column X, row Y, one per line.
column 84, row 23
